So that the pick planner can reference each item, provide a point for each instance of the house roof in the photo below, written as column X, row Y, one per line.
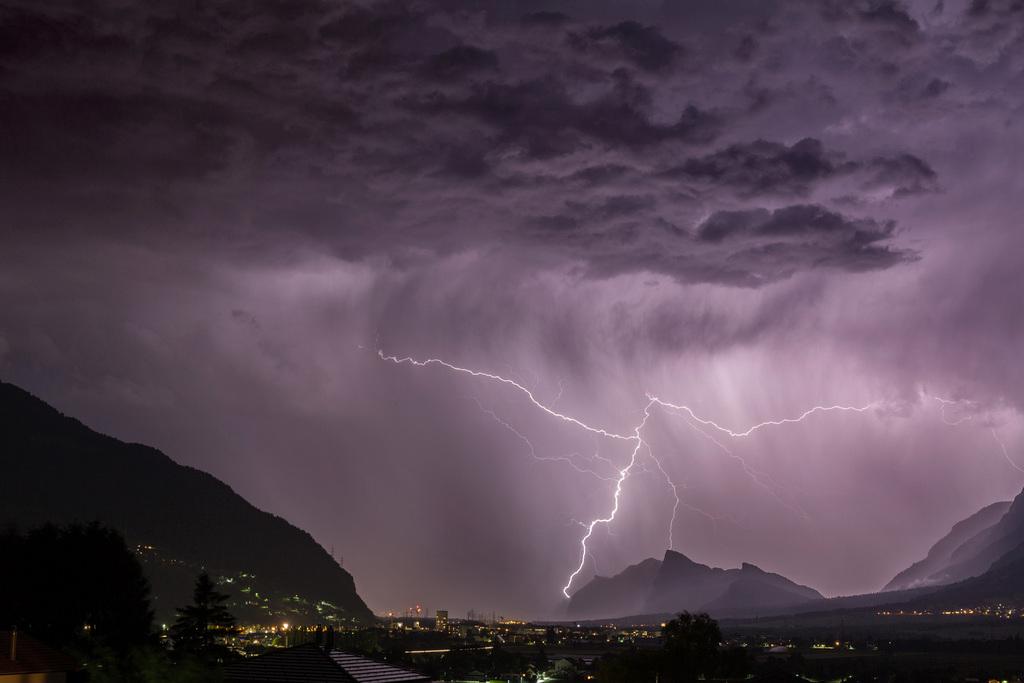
column 32, row 656
column 363, row 670
column 310, row 664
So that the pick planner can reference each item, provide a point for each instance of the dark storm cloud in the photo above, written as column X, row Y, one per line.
column 28, row 35
column 906, row 173
column 746, row 49
column 797, row 220
column 119, row 137
column 982, row 8
column 545, row 19
column 643, row 46
column 460, row 60
column 584, row 223
column 600, row 174
column 916, row 87
column 764, row 167
column 888, row 15
column 382, row 38
column 541, row 119
column 743, row 248
column 802, row 236
column 341, row 104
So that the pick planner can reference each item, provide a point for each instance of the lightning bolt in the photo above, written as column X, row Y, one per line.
column 635, row 438
column 966, row 404
column 945, row 403
column 760, row 478
column 568, row 458
column 678, row 500
column 675, row 494
column 1006, row 454
column 760, row 425
column 623, row 475
column 508, row 382
column 561, row 388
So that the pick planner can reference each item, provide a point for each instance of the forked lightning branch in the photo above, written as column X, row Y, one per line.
column 635, row 438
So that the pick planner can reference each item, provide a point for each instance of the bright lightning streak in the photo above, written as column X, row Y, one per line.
column 675, row 494
column 568, row 459
column 498, row 378
column 679, row 502
column 761, row 425
column 623, row 475
column 636, row 438
column 762, row 479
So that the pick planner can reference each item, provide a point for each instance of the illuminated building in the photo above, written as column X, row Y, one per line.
column 441, row 620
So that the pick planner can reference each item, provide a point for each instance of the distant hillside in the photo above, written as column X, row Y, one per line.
column 678, row 583
column 940, row 555
column 1003, row 584
column 979, row 563
column 912, row 613
column 55, row 469
column 1000, row 550
column 971, row 544
column 970, row 549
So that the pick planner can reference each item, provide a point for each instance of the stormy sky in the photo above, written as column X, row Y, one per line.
column 213, row 214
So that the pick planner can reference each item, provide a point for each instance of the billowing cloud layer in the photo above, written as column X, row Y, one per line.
column 411, row 116
column 212, row 215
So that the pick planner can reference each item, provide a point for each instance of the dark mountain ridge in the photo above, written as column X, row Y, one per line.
column 971, row 548
column 624, row 593
column 55, row 469
column 940, row 555
column 1002, row 583
column 677, row 583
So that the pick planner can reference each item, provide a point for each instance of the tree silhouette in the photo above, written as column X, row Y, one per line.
column 691, row 647
column 75, row 583
column 200, row 627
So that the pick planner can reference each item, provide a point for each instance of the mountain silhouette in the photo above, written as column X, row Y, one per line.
column 677, row 583
column 970, row 549
column 55, row 469
column 940, row 555
column 1002, row 583
column 979, row 564
column 622, row 594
